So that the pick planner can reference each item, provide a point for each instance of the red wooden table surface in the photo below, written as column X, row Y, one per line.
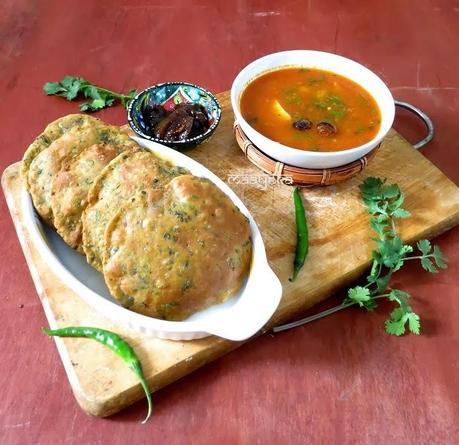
column 339, row 380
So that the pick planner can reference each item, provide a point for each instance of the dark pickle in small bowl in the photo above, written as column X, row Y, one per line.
column 180, row 115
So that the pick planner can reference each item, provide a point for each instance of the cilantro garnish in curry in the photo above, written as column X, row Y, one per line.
column 310, row 109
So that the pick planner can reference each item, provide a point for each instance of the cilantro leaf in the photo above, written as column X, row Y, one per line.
column 401, row 298
column 414, row 323
column 376, row 207
column 51, row 88
column 361, row 296
column 390, row 192
column 380, row 227
column 358, row 294
column 98, row 104
column 424, row 246
column 67, row 81
column 401, row 213
column 395, row 327
column 86, row 106
column 396, row 203
column 391, row 251
column 406, row 248
column 440, row 259
column 91, row 91
column 73, row 89
column 370, row 188
column 383, row 282
column 396, row 324
column 427, row 265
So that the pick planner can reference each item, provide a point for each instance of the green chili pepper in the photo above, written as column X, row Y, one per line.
column 115, row 343
column 302, row 239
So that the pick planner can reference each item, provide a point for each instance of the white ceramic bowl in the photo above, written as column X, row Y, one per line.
column 237, row 319
column 325, row 61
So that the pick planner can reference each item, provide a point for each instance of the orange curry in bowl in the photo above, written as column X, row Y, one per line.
column 310, row 109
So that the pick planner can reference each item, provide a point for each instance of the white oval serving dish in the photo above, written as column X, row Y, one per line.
column 324, row 61
column 237, row 319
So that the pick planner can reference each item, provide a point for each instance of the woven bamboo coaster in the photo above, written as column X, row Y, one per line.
column 302, row 177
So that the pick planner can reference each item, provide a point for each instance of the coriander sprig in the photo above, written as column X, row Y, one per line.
column 72, row 88
column 384, row 203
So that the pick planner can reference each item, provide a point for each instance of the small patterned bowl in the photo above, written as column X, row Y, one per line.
column 168, row 95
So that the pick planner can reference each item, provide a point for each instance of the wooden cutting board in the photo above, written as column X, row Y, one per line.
column 339, row 253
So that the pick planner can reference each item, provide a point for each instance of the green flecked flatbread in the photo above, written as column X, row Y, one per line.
column 171, row 257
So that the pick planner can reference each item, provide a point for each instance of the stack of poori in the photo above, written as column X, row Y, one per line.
column 168, row 243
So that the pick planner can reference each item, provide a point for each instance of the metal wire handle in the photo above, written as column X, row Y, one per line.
column 423, row 116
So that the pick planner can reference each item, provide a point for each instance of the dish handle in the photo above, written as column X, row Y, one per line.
column 250, row 316
column 425, row 119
